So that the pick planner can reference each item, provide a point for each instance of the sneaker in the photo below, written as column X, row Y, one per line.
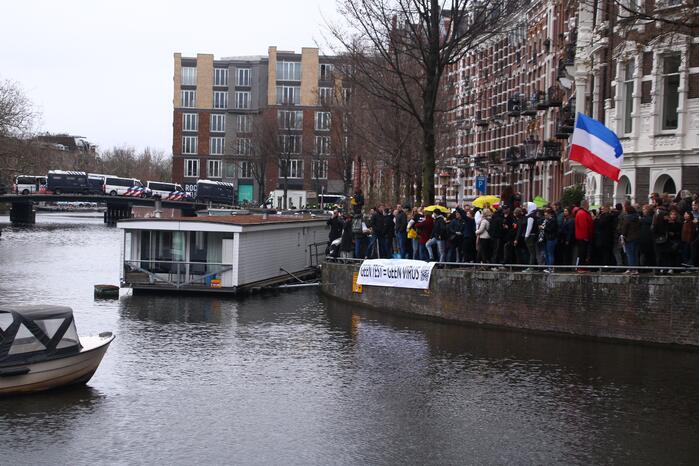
column 527, row 270
column 547, row 270
column 495, row 269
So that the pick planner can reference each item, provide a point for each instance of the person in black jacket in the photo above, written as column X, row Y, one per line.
column 603, row 236
column 565, row 240
column 550, row 231
column 496, row 232
column 647, row 253
column 336, row 223
column 510, row 227
column 346, row 246
column 468, row 253
column 400, row 224
column 388, row 229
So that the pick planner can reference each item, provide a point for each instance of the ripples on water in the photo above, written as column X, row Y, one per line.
column 297, row 379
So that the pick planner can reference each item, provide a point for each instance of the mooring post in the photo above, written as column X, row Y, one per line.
column 23, row 213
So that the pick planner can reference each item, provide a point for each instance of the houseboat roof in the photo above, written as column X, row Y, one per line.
column 215, row 222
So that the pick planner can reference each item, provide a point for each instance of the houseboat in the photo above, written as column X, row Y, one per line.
column 224, row 253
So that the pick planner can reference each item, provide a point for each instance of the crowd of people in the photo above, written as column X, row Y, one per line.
column 662, row 233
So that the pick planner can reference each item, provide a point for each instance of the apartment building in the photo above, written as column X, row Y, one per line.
column 511, row 111
column 514, row 101
column 647, row 92
column 282, row 108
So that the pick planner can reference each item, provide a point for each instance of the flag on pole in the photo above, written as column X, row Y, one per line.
column 596, row 147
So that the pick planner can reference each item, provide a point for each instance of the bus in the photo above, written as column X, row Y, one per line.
column 218, row 192
column 27, row 184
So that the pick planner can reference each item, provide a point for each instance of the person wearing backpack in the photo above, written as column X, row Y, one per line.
column 359, row 233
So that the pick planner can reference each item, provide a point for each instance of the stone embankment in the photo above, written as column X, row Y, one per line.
column 639, row 308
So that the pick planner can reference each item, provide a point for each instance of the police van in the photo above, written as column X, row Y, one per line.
column 218, row 192
column 117, row 186
column 169, row 191
column 27, row 184
column 96, row 183
column 61, row 182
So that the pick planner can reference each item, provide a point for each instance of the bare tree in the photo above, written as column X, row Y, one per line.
column 401, row 49
column 262, row 149
column 17, row 114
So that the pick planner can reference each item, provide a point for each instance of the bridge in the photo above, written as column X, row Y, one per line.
column 118, row 207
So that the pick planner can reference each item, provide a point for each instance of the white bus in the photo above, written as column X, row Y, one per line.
column 27, row 184
column 116, row 186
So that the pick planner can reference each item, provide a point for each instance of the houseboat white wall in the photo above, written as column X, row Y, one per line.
column 179, row 251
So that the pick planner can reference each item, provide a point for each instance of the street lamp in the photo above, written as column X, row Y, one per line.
column 531, row 145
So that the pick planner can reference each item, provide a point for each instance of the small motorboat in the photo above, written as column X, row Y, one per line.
column 40, row 349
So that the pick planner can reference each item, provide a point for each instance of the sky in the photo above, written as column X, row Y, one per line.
column 103, row 69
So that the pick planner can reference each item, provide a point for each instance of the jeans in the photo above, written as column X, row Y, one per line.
column 401, row 244
column 372, row 248
column 441, row 248
column 416, row 248
column 631, row 250
column 549, row 251
column 358, row 247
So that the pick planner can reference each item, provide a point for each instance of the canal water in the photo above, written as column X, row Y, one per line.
column 294, row 378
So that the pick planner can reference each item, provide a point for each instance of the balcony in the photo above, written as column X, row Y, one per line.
column 528, row 109
column 513, row 155
column 478, row 121
column 554, row 97
column 552, row 151
column 539, row 100
column 514, row 106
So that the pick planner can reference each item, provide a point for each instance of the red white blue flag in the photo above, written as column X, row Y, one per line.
column 596, row 147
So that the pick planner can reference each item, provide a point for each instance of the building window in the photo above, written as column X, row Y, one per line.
column 242, row 99
column 320, row 169
column 288, row 95
column 325, row 71
column 216, row 146
column 246, row 169
column 189, row 144
column 191, row 168
column 295, row 168
column 221, row 76
column 323, row 121
column 671, row 79
column 290, row 119
column 190, row 122
column 220, row 99
column 218, row 123
column 214, row 169
column 243, row 77
column 242, row 146
column 229, row 169
column 188, row 99
column 322, row 145
column 290, row 144
column 325, row 95
column 243, row 124
column 189, row 76
column 629, row 92
column 288, row 71
column 347, row 93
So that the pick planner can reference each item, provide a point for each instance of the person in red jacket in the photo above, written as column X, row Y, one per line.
column 583, row 232
column 425, row 231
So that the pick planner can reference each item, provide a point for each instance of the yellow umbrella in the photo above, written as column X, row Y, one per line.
column 441, row 208
column 481, row 200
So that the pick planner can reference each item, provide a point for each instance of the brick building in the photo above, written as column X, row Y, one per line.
column 511, row 113
column 515, row 97
column 283, row 107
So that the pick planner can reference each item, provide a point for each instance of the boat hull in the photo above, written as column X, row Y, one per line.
column 69, row 370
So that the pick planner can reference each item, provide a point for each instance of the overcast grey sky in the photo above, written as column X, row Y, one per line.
column 103, row 69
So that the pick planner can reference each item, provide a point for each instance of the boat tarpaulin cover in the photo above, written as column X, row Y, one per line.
column 34, row 333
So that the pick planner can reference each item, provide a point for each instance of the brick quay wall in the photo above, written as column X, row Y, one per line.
column 638, row 308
